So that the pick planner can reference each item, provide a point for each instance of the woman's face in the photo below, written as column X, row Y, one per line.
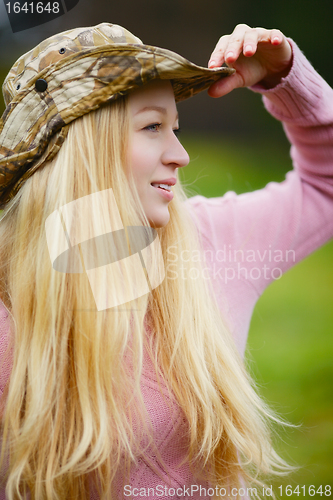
column 155, row 151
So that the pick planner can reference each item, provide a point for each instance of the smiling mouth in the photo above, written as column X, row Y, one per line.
column 160, row 187
column 164, row 192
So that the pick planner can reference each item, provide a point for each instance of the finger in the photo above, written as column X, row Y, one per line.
column 276, row 37
column 250, row 42
column 217, row 57
column 221, row 54
column 236, row 41
column 243, row 39
column 225, row 85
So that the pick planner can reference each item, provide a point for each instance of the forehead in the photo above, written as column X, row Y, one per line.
column 158, row 93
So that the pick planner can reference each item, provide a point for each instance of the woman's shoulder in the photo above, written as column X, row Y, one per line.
column 5, row 352
column 212, row 214
column 4, row 320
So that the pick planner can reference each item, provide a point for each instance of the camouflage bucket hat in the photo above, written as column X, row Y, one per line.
column 71, row 74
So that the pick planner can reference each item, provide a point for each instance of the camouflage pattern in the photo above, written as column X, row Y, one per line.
column 83, row 68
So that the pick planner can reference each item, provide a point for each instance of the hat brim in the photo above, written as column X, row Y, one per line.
column 76, row 85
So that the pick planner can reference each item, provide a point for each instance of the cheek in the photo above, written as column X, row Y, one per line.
column 142, row 160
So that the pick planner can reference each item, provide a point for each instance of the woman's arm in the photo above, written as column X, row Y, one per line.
column 282, row 223
column 269, row 230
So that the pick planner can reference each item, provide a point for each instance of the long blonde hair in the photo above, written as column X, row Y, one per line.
column 71, row 399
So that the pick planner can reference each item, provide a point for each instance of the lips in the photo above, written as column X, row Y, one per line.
column 168, row 195
column 161, row 186
column 171, row 181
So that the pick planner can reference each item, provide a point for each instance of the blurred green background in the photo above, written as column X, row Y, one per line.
column 290, row 346
column 235, row 145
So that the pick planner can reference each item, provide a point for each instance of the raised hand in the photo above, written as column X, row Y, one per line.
column 257, row 54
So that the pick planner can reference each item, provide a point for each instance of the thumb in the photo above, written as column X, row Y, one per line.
column 225, row 85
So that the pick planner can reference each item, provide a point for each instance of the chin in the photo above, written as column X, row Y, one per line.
column 159, row 222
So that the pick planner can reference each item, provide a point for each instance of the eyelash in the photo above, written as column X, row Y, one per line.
column 158, row 125
column 149, row 127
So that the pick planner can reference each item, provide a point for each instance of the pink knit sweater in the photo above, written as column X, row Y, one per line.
column 249, row 240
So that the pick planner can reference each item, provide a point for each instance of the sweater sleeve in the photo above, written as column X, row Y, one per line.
column 263, row 233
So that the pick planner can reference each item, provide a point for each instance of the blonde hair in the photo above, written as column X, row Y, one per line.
column 72, row 393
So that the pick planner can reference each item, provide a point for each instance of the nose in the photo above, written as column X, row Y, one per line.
column 175, row 153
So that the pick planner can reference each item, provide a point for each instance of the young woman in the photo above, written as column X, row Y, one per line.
column 109, row 388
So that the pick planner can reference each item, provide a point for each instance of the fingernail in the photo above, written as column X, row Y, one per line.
column 230, row 54
column 276, row 40
column 212, row 63
column 248, row 48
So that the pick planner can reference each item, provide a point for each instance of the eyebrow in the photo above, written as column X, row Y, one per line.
column 154, row 108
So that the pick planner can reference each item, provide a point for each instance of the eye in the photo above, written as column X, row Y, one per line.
column 154, row 127
column 176, row 131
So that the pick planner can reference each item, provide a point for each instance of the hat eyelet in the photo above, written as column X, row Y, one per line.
column 62, row 50
column 18, row 86
column 41, row 85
